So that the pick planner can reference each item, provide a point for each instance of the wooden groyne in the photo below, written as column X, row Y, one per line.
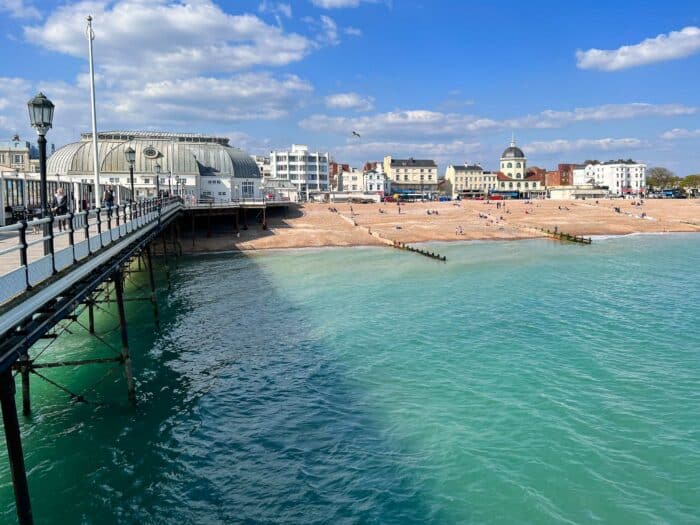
column 393, row 243
column 432, row 255
column 565, row 237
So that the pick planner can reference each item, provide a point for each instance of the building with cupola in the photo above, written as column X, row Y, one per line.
column 514, row 179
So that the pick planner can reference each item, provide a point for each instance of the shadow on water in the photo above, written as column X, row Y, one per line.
column 242, row 417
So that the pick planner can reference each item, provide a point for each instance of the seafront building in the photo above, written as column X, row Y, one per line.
column 376, row 181
column 469, row 181
column 620, row 177
column 307, row 170
column 19, row 155
column 197, row 167
column 413, row 178
column 263, row 163
column 514, row 180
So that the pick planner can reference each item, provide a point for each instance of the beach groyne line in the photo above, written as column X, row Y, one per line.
column 566, row 237
column 392, row 243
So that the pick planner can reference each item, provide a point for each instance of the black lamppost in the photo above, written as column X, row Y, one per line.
column 130, row 156
column 41, row 117
column 170, row 188
column 157, row 169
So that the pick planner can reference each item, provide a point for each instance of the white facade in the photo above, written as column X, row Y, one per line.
column 469, row 178
column 308, row 171
column 350, row 181
column 376, row 182
column 263, row 163
column 621, row 177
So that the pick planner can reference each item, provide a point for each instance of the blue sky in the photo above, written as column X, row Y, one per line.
column 449, row 80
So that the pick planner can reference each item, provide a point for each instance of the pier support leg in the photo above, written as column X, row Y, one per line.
column 14, row 448
column 126, row 356
column 193, row 229
column 245, row 224
column 24, row 373
column 238, row 211
column 91, row 316
column 154, row 298
column 209, row 223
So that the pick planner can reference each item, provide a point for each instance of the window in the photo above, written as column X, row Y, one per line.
column 510, row 164
column 114, row 180
column 405, row 177
column 146, row 180
column 19, row 159
column 248, row 188
column 517, row 164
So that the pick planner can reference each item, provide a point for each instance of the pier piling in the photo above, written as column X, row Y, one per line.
column 15, row 455
column 126, row 356
column 154, row 298
column 24, row 369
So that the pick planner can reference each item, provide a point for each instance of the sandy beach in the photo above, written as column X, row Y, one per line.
column 315, row 225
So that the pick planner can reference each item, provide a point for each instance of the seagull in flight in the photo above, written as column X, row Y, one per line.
column 355, row 134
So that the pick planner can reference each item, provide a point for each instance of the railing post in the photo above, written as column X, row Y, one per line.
column 50, row 243
column 99, row 224
column 86, row 227
column 71, row 233
column 23, row 252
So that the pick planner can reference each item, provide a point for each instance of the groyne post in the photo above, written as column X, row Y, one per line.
column 13, row 439
column 126, row 356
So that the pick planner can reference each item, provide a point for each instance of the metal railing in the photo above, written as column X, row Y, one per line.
column 33, row 251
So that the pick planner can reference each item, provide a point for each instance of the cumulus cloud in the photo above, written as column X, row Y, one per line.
column 19, row 9
column 249, row 96
column 564, row 146
column 350, row 101
column 680, row 133
column 191, row 38
column 671, row 46
column 435, row 123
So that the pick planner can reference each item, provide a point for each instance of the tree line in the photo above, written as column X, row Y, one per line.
column 662, row 178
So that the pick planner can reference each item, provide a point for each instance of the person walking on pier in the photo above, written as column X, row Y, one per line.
column 108, row 200
column 59, row 206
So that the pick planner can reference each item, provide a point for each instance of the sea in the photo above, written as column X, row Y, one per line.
column 524, row 382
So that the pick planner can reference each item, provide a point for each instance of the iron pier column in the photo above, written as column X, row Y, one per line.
column 14, row 448
column 126, row 356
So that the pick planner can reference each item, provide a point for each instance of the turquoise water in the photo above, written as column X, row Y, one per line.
column 521, row 382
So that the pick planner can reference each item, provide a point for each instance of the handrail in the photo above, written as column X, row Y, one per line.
column 87, row 232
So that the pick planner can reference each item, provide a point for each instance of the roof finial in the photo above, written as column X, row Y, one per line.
column 512, row 139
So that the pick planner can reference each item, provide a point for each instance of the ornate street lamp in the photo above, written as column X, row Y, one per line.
column 130, row 156
column 41, row 117
column 157, row 168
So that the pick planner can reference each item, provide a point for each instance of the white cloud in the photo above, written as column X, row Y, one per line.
column 350, row 101
column 276, row 8
column 335, row 4
column 191, row 38
column 680, row 133
column 18, row 9
column 352, row 31
column 564, row 146
column 435, row 123
column 671, row 46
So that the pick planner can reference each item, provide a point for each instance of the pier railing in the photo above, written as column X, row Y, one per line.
column 33, row 251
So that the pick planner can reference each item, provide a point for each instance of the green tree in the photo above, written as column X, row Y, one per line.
column 661, row 178
column 691, row 181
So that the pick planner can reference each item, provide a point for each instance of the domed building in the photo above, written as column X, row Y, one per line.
column 513, row 178
column 513, row 162
column 197, row 166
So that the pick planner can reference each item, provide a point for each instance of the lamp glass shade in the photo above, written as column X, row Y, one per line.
column 157, row 168
column 41, row 113
column 130, row 155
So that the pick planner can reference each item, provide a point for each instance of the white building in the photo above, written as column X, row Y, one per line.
column 308, row 171
column 621, row 177
column 376, row 181
column 263, row 163
column 197, row 167
column 412, row 177
column 469, row 181
column 350, row 181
